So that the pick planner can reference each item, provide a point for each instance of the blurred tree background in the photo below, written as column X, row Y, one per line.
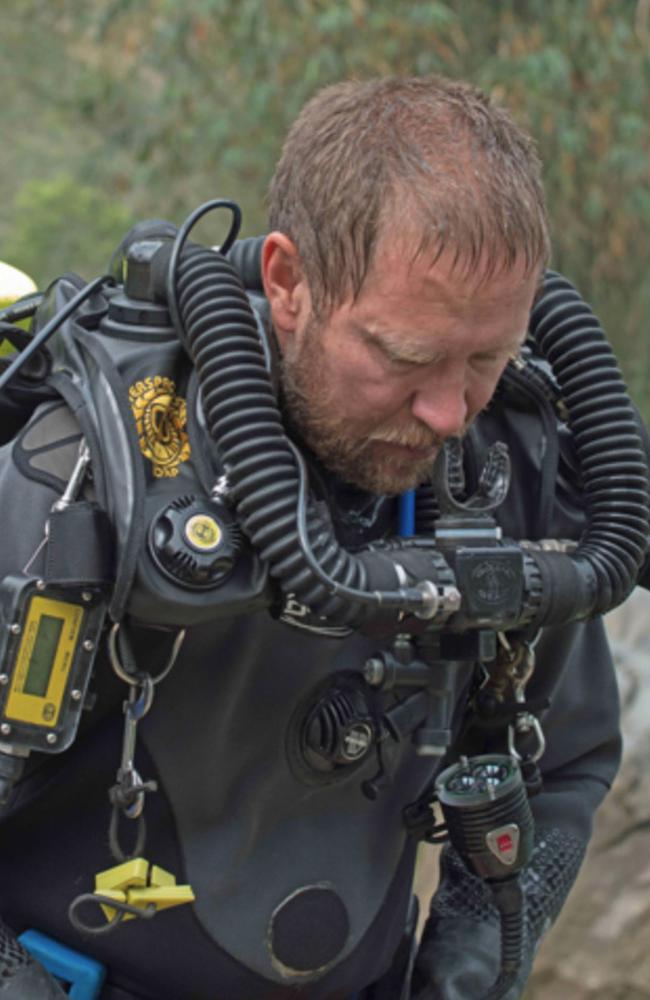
column 118, row 110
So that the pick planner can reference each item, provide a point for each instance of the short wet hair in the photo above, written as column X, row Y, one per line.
column 428, row 158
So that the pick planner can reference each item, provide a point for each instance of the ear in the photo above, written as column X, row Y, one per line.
column 285, row 286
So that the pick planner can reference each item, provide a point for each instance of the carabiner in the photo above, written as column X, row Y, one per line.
column 525, row 723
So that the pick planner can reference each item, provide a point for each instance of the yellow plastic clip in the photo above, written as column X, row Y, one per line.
column 139, row 883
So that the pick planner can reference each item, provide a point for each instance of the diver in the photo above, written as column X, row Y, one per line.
column 306, row 543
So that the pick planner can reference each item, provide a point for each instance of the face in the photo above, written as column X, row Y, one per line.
column 379, row 385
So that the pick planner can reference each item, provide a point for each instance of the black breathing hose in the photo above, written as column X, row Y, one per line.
column 244, row 420
column 607, row 440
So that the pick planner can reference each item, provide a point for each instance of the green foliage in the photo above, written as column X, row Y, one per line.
column 156, row 106
column 50, row 218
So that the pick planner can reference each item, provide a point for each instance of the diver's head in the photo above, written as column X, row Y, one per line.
column 408, row 237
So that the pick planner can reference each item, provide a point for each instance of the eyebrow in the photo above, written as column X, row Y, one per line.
column 397, row 349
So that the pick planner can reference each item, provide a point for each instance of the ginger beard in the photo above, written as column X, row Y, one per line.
column 360, row 456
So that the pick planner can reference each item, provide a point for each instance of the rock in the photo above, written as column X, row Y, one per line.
column 599, row 948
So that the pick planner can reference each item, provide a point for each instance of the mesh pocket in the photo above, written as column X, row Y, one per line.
column 460, row 892
column 547, row 880
column 12, row 954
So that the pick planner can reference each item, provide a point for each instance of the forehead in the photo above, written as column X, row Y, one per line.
column 447, row 282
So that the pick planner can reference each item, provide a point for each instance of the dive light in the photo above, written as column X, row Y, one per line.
column 485, row 805
column 490, row 824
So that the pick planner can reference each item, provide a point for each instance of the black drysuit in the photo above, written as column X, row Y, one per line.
column 302, row 882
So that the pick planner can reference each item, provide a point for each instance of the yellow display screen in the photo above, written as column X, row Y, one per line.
column 45, row 656
column 41, row 663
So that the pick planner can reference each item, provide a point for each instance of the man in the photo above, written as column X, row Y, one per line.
column 408, row 242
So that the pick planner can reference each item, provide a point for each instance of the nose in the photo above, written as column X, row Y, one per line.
column 443, row 406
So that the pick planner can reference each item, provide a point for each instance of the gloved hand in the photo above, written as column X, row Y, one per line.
column 459, row 955
column 21, row 976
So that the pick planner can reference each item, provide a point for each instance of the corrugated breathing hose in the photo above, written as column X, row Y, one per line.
column 244, row 420
column 608, row 445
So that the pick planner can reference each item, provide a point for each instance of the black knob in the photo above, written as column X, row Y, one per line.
column 195, row 541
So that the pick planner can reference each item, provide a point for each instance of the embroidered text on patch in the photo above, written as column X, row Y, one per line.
column 160, row 418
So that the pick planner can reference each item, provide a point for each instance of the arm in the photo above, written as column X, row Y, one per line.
column 459, row 953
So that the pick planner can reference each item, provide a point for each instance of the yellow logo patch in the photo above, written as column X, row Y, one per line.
column 160, row 419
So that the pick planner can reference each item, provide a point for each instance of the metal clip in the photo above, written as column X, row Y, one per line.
column 74, row 484
column 129, row 792
column 130, row 789
column 76, row 479
column 520, row 670
column 524, row 724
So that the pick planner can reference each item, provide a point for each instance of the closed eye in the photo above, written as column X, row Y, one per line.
column 398, row 361
column 408, row 364
column 406, row 361
column 489, row 361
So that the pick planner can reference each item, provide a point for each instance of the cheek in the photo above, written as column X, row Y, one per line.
column 480, row 391
column 380, row 401
column 365, row 391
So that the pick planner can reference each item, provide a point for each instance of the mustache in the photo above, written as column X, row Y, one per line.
column 409, row 437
